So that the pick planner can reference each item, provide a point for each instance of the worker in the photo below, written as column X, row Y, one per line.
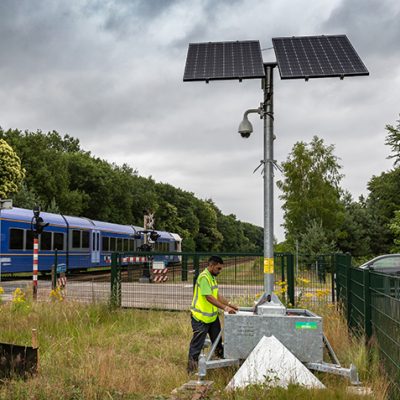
column 204, row 311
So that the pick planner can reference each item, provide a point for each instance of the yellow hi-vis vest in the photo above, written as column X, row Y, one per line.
column 203, row 310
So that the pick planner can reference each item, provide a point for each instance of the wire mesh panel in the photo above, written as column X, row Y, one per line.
column 146, row 285
column 314, row 275
column 87, row 287
column 341, row 263
column 385, row 317
column 166, row 280
column 372, row 299
column 357, row 300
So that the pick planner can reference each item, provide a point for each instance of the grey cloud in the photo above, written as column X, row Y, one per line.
column 110, row 73
column 374, row 25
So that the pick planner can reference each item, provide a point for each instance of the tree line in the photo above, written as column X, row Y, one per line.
column 53, row 171
column 321, row 217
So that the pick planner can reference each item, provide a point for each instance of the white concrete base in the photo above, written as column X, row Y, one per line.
column 272, row 364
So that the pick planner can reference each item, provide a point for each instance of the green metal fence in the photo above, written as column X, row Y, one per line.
column 372, row 304
column 314, row 280
column 242, row 280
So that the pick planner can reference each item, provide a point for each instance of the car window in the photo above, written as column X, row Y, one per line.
column 387, row 262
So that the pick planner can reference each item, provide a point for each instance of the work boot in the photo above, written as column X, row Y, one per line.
column 192, row 366
column 219, row 353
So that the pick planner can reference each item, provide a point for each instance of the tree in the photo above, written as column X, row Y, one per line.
column 61, row 177
column 209, row 238
column 393, row 140
column 310, row 189
column 314, row 241
column 383, row 200
column 26, row 198
column 394, row 227
column 355, row 233
column 11, row 171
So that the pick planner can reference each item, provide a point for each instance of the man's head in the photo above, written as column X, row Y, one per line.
column 215, row 265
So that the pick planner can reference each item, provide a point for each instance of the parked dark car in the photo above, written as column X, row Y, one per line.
column 387, row 264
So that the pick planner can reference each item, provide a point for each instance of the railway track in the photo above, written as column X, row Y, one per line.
column 128, row 271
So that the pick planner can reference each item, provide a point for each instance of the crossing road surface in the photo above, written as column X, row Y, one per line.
column 170, row 296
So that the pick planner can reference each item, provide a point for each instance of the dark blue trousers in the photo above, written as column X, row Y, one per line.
column 200, row 331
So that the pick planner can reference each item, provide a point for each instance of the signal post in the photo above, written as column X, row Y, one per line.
column 37, row 226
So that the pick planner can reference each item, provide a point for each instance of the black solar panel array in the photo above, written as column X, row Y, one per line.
column 224, row 60
column 304, row 57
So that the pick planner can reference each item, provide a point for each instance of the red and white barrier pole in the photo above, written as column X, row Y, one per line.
column 35, row 266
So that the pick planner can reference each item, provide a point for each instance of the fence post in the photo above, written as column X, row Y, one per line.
column 348, row 290
column 339, row 284
column 196, row 266
column 283, row 268
column 184, row 268
column 333, row 276
column 290, row 278
column 367, row 304
column 115, row 281
column 54, row 271
column 235, row 270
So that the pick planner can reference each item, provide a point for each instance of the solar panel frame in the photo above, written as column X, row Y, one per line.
column 305, row 57
column 224, row 60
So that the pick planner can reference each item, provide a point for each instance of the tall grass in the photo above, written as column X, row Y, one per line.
column 90, row 352
column 93, row 352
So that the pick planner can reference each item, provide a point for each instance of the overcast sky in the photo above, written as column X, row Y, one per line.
column 109, row 72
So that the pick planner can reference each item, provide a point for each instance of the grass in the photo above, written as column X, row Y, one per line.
column 93, row 352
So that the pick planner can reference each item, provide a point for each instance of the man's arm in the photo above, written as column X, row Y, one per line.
column 222, row 305
column 223, row 300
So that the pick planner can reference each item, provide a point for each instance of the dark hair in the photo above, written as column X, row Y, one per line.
column 215, row 260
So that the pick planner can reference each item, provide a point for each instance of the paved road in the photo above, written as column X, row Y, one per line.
column 145, row 295
column 172, row 296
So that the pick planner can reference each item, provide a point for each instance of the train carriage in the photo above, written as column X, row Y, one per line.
column 81, row 243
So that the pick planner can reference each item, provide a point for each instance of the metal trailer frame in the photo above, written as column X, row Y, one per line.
column 246, row 328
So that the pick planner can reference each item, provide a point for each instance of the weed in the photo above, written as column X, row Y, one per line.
column 92, row 352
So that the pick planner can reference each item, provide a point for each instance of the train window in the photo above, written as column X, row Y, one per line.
column 106, row 243
column 16, row 239
column 76, row 239
column 126, row 245
column 58, row 241
column 98, row 241
column 119, row 244
column 112, row 244
column 29, row 240
column 131, row 245
column 85, row 239
column 45, row 241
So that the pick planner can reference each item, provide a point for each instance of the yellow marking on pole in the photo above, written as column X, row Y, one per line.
column 268, row 265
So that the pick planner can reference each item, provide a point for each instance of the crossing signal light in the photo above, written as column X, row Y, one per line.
column 154, row 236
column 40, row 225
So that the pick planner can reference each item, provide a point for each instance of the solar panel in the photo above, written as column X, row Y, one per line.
column 305, row 57
column 224, row 60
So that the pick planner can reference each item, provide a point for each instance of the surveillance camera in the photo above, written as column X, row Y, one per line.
column 245, row 134
column 245, row 128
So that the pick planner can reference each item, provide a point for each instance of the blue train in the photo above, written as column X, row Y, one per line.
column 81, row 243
